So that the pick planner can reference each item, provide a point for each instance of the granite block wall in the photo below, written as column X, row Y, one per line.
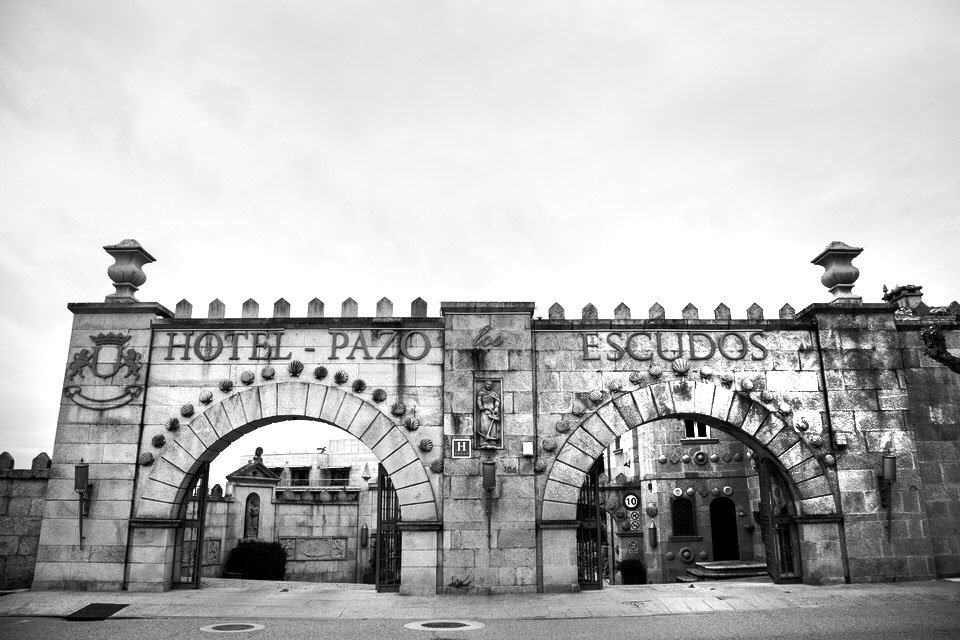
column 21, row 511
column 933, row 412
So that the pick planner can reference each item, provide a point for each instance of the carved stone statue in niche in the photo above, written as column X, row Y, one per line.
column 251, row 522
column 489, row 415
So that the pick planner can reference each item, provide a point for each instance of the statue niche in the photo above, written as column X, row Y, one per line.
column 251, row 520
column 488, row 411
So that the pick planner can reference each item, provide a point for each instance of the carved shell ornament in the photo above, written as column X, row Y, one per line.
column 655, row 371
column 539, row 466
column 614, row 385
column 320, row 373
column 636, row 377
column 379, row 395
column 158, row 440
column 226, row 386
column 426, row 444
column 359, row 385
column 247, row 377
column 680, row 367
column 295, row 368
column 398, row 409
column 186, row 410
column 578, row 409
column 411, row 424
column 562, row 426
column 596, row 396
column 549, row 444
column 173, row 424
column 268, row 372
column 727, row 378
column 341, row 377
column 747, row 385
column 206, row 397
column 437, row 465
column 146, row 459
column 706, row 372
column 829, row 460
column 766, row 395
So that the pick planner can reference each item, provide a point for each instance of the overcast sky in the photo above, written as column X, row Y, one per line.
column 545, row 151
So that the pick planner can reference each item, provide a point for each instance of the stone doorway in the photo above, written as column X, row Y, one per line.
column 724, row 529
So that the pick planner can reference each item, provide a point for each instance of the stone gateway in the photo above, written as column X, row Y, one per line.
column 520, row 454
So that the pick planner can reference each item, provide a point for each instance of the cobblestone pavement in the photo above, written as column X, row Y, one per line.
column 251, row 599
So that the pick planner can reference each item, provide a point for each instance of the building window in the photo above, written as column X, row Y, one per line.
column 683, row 519
column 299, row 476
column 693, row 430
column 339, row 477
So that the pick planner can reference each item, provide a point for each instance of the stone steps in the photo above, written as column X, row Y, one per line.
column 724, row 570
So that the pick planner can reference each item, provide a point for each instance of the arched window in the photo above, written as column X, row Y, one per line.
column 683, row 519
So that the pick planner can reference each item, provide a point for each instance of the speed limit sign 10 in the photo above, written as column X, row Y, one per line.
column 630, row 501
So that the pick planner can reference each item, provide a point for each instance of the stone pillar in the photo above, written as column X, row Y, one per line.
column 559, row 544
column 419, row 554
column 867, row 406
column 489, row 538
column 99, row 423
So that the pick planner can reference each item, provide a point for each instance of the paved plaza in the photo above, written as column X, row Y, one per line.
column 251, row 600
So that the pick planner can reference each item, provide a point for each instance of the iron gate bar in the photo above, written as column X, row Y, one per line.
column 388, row 549
column 589, row 574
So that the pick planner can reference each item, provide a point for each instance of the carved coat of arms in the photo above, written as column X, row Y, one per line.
column 106, row 360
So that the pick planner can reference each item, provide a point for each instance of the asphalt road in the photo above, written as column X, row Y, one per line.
column 929, row 621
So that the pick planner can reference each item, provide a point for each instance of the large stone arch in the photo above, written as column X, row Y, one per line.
column 202, row 436
column 764, row 428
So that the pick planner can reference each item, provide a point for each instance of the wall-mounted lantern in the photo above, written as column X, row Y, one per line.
column 489, row 476
column 652, row 535
column 83, row 487
column 888, row 475
column 364, row 535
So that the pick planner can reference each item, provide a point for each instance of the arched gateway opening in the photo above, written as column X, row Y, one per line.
column 172, row 479
column 793, row 500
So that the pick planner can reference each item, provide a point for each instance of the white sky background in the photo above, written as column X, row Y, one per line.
column 547, row 151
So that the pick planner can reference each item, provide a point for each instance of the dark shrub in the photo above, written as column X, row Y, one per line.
column 257, row 560
column 633, row 571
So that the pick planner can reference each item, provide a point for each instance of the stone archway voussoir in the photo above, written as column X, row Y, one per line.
column 682, row 392
column 292, row 398
column 557, row 511
column 268, row 400
column 332, row 402
column 575, row 458
column 722, row 399
column 250, row 400
column 559, row 492
column 627, row 408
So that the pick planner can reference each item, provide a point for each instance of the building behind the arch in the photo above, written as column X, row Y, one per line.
column 490, row 421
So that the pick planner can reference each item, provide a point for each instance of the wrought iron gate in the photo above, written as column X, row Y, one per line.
column 189, row 545
column 589, row 531
column 777, row 527
column 388, row 534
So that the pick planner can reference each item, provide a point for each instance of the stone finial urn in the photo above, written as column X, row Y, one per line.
column 839, row 274
column 127, row 272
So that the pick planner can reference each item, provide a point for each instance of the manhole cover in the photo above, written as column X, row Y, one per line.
column 231, row 627
column 432, row 625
